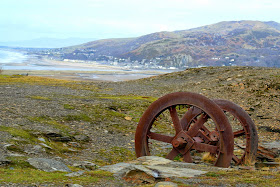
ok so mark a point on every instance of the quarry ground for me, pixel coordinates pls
(96, 121)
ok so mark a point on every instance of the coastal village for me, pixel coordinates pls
(180, 61)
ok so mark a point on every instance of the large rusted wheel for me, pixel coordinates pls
(160, 130)
(244, 130)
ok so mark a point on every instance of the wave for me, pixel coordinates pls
(9, 57)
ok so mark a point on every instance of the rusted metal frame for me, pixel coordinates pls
(160, 137)
(198, 125)
(205, 147)
(239, 133)
(175, 119)
(249, 129)
(191, 99)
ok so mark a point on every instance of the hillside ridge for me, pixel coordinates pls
(227, 43)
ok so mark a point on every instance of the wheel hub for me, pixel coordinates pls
(182, 142)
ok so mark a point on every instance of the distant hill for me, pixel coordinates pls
(227, 43)
(46, 42)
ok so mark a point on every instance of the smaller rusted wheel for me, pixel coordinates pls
(161, 132)
(244, 130)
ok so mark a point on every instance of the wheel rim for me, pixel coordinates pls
(244, 130)
(184, 141)
(248, 132)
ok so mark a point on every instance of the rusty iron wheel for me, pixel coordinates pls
(163, 124)
(245, 130)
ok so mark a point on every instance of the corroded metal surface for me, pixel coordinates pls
(248, 131)
(203, 127)
(191, 131)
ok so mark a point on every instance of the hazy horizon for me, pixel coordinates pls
(33, 19)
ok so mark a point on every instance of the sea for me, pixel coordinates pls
(15, 60)
(8, 58)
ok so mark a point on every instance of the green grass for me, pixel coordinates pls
(34, 80)
(233, 177)
(127, 97)
(37, 97)
(34, 176)
(77, 117)
(115, 155)
(21, 172)
(18, 132)
(50, 121)
(67, 106)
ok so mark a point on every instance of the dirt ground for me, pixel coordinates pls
(106, 113)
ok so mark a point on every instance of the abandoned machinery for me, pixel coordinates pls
(190, 127)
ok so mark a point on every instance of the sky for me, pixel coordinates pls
(31, 19)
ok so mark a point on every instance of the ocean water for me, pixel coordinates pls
(11, 57)
(12, 60)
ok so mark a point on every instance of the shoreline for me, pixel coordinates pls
(112, 76)
(76, 70)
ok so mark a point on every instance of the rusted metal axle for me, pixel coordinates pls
(181, 125)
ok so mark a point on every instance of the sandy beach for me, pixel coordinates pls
(78, 70)
(19, 63)
(84, 75)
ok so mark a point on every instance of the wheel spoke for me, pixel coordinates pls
(189, 116)
(172, 154)
(187, 157)
(197, 125)
(205, 129)
(239, 133)
(160, 137)
(235, 159)
(205, 147)
(175, 119)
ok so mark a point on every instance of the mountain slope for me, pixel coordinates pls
(226, 43)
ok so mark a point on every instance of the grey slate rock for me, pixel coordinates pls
(153, 160)
(81, 138)
(274, 146)
(37, 149)
(4, 161)
(73, 185)
(3, 154)
(75, 174)
(48, 165)
(86, 165)
(58, 137)
(153, 167)
(166, 184)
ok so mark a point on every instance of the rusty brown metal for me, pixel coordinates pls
(248, 131)
(201, 110)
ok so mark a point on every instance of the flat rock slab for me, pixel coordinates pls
(75, 174)
(152, 166)
(3, 160)
(116, 167)
(166, 184)
(153, 160)
(165, 172)
(48, 165)
(272, 145)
